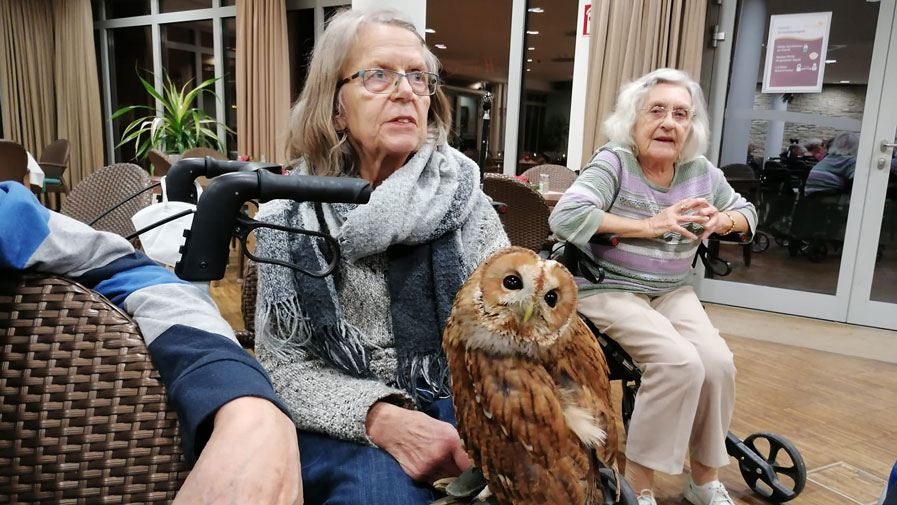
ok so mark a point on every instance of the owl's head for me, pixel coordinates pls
(524, 299)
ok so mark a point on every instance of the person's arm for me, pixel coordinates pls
(581, 212)
(200, 363)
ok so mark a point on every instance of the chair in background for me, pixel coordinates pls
(248, 295)
(526, 220)
(202, 152)
(54, 159)
(105, 188)
(743, 180)
(559, 177)
(161, 162)
(13, 161)
(85, 417)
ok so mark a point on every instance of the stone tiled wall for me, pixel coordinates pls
(835, 100)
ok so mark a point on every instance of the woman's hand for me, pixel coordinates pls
(427, 449)
(673, 217)
(251, 457)
(717, 222)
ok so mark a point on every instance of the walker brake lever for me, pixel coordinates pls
(205, 251)
(246, 225)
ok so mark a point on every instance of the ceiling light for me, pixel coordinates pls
(529, 60)
(532, 32)
(439, 46)
(829, 62)
(844, 82)
(530, 48)
(536, 10)
(429, 30)
(529, 69)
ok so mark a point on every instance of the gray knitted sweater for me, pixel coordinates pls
(328, 401)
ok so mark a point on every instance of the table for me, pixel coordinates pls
(35, 173)
(552, 197)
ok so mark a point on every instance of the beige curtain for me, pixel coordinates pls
(26, 69)
(263, 79)
(78, 112)
(630, 38)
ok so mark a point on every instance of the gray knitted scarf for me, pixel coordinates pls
(412, 216)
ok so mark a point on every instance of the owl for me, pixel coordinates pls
(529, 382)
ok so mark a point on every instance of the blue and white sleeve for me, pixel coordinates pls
(198, 358)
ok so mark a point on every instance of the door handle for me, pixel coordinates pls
(885, 145)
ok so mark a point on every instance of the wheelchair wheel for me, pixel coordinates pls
(785, 474)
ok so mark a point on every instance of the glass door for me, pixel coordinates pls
(813, 157)
(873, 298)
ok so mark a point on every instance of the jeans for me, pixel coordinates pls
(337, 472)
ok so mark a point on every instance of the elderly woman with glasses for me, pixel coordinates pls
(357, 356)
(651, 186)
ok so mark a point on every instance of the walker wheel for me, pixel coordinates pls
(789, 473)
(760, 243)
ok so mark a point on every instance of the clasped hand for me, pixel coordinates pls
(688, 210)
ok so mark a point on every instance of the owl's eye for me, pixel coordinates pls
(551, 298)
(512, 282)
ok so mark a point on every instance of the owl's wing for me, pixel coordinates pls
(510, 417)
(581, 370)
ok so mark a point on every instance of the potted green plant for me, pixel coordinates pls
(180, 125)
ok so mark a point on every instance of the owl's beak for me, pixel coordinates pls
(528, 313)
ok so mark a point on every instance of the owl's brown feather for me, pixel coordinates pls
(529, 394)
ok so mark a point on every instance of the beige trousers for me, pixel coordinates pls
(687, 393)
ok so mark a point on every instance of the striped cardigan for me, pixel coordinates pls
(613, 181)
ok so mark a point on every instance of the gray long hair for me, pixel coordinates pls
(845, 144)
(618, 126)
(312, 133)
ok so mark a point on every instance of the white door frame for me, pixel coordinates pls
(825, 306)
(874, 181)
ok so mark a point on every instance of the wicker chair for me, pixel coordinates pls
(83, 415)
(248, 294)
(160, 162)
(559, 177)
(526, 220)
(13, 161)
(103, 189)
(202, 152)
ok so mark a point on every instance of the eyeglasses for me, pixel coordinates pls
(378, 80)
(659, 112)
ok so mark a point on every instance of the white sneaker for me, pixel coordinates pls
(712, 493)
(646, 497)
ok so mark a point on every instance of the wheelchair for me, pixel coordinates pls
(818, 223)
(772, 477)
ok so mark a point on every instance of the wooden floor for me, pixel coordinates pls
(838, 410)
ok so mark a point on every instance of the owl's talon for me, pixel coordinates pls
(484, 494)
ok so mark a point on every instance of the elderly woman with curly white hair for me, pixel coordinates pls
(651, 186)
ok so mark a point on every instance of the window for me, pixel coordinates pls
(473, 65)
(183, 5)
(129, 53)
(126, 8)
(549, 46)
